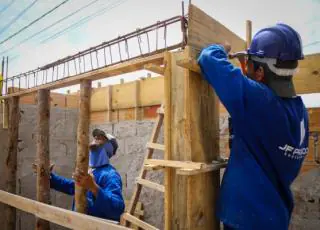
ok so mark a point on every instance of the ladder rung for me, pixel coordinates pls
(150, 184)
(155, 146)
(138, 222)
(152, 167)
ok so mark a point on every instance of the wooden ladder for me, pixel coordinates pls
(141, 179)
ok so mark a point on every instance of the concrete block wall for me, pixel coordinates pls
(63, 127)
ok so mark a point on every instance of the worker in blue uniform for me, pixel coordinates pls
(270, 126)
(103, 182)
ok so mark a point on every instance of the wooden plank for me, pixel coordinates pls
(314, 119)
(11, 161)
(208, 168)
(154, 68)
(204, 30)
(82, 160)
(248, 33)
(72, 101)
(307, 80)
(109, 103)
(190, 64)
(137, 100)
(152, 91)
(150, 184)
(99, 99)
(57, 215)
(156, 146)
(175, 164)
(167, 141)
(138, 222)
(153, 167)
(110, 71)
(123, 96)
(43, 155)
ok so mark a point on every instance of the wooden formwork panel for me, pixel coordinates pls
(152, 91)
(203, 30)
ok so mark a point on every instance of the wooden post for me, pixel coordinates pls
(248, 33)
(5, 114)
(83, 142)
(43, 157)
(137, 100)
(167, 141)
(11, 161)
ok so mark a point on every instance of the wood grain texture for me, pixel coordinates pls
(11, 161)
(43, 157)
(82, 160)
(57, 215)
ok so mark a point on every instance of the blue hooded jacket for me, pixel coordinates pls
(270, 143)
(109, 203)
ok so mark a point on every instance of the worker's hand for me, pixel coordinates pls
(34, 167)
(85, 180)
(227, 47)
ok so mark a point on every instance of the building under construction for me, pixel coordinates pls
(172, 131)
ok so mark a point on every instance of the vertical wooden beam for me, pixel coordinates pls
(43, 157)
(5, 114)
(11, 161)
(167, 141)
(109, 111)
(137, 100)
(248, 33)
(83, 142)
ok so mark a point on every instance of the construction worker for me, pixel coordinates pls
(103, 182)
(270, 125)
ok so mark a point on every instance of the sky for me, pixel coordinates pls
(124, 16)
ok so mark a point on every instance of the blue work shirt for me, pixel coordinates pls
(109, 203)
(269, 146)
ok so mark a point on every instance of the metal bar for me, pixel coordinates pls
(57, 72)
(127, 48)
(148, 42)
(64, 70)
(68, 69)
(53, 72)
(110, 54)
(105, 58)
(157, 37)
(119, 51)
(165, 36)
(84, 64)
(79, 60)
(75, 66)
(97, 59)
(19, 83)
(91, 61)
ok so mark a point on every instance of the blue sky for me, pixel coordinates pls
(303, 15)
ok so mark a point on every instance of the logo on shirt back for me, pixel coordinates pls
(296, 153)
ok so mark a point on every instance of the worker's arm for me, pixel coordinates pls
(226, 79)
(108, 197)
(62, 184)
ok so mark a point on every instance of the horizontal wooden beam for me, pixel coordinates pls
(154, 68)
(155, 146)
(189, 64)
(153, 167)
(175, 164)
(60, 216)
(150, 184)
(109, 71)
(208, 168)
(134, 220)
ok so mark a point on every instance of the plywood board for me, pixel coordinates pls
(314, 119)
(307, 80)
(123, 96)
(99, 99)
(152, 91)
(203, 30)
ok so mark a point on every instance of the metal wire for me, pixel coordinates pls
(81, 56)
